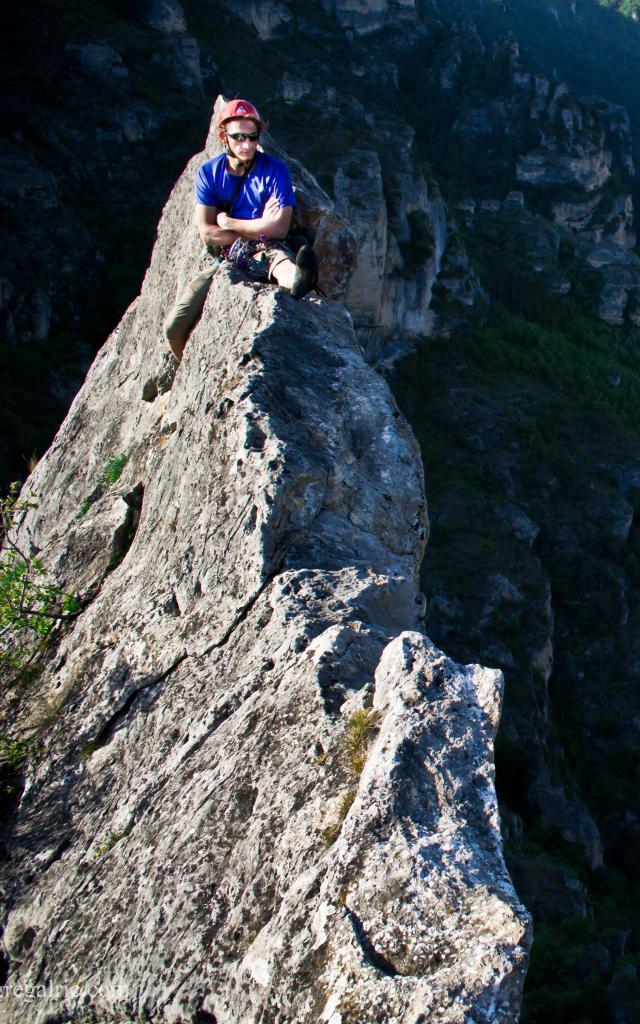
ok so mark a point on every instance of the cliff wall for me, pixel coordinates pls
(260, 793)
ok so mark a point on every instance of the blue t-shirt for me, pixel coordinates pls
(268, 177)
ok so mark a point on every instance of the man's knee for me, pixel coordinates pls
(186, 310)
(173, 331)
(176, 331)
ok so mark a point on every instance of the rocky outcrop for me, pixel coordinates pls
(181, 53)
(400, 225)
(572, 146)
(98, 59)
(589, 169)
(457, 282)
(261, 792)
(166, 15)
(571, 138)
(572, 160)
(294, 89)
(364, 17)
(618, 132)
(620, 295)
(269, 18)
(359, 192)
(360, 16)
(532, 236)
(573, 156)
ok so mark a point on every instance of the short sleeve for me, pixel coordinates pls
(205, 192)
(283, 190)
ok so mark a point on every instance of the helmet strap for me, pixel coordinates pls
(243, 166)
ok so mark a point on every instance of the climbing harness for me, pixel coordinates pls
(243, 254)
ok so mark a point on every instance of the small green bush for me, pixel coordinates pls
(109, 476)
(84, 508)
(113, 470)
(361, 729)
(31, 610)
(108, 841)
(12, 755)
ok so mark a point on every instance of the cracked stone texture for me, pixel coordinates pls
(192, 838)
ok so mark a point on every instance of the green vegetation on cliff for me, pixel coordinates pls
(627, 7)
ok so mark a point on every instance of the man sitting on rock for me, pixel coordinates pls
(245, 202)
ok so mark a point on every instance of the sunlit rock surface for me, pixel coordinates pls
(197, 835)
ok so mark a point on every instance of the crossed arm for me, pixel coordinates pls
(221, 229)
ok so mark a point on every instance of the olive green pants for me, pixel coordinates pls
(187, 308)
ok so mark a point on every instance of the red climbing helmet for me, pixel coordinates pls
(236, 110)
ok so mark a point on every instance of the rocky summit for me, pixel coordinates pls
(262, 794)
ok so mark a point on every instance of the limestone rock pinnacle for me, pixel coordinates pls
(262, 794)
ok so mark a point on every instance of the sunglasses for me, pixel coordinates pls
(242, 136)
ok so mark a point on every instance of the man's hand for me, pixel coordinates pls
(271, 210)
(275, 219)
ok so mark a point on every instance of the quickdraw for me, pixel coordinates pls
(242, 254)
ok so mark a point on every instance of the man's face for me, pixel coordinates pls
(243, 149)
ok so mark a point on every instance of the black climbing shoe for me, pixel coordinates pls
(306, 272)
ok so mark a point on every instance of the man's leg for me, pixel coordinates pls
(299, 277)
(284, 272)
(186, 310)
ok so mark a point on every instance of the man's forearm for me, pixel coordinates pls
(211, 234)
(252, 229)
(221, 229)
(249, 229)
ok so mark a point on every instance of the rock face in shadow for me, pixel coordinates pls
(364, 18)
(570, 158)
(270, 19)
(261, 793)
(401, 233)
